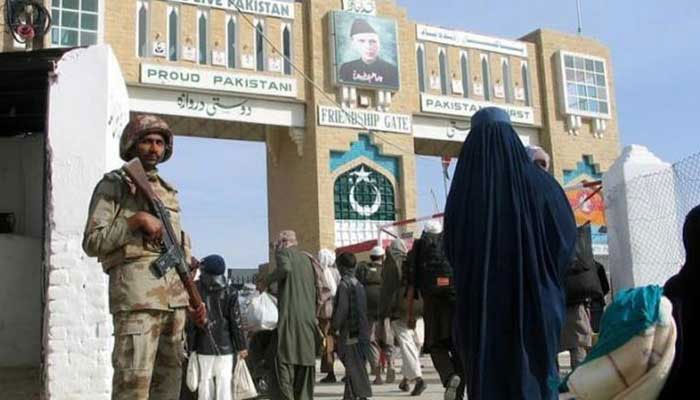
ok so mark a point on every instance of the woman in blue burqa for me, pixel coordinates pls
(509, 236)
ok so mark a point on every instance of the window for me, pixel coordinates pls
(507, 80)
(287, 48)
(486, 76)
(442, 60)
(585, 85)
(364, 194)
(526, 82)
(173, 32)
(75, 22)
(420, 62)
(231, 41)
(203, 36)
(464, 66)
(141, 28)
(259, 45)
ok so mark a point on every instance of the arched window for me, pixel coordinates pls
(464, 65)
(486, 77)
(259, 45)
(203, 39)
(173, 33)
(364, 194)
(142, 29)
(442, 59)
(231, 42)
(287, 48)
(526, 83)
(507, 81)
(420, 62)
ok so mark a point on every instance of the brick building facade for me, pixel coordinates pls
(193, 61)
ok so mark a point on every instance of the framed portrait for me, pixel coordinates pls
(365, 51)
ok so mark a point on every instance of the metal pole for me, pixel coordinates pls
(444, 182)
(578, 8)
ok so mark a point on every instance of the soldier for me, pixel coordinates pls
(148, 312)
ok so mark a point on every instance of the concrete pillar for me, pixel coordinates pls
(640, 202)
(88, 109)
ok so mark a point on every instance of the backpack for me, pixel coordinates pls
(582, 281)
(435, 275)
(324, 296)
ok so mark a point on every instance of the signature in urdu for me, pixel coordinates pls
(363, 76)
(213, 107)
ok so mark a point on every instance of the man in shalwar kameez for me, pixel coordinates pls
(350, 320)
(296, 328)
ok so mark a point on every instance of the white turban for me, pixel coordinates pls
(433, 226)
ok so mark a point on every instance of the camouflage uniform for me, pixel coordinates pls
(148, 312)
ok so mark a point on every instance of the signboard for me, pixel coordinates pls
(434, 128)
(217, 80)
(589, 206)
(272, 8)
(470, 40)
(365, 51)
(463, 107)
(219, 107)
(361, 119)
(360, 6)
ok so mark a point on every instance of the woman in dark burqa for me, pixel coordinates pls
(682, 290)
(509, 236)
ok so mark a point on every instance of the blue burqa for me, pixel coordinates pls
(509, 235)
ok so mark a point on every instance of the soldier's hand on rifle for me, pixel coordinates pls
(150, 225)
(194, 265)
(198, 315)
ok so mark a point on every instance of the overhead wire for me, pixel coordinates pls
(316, 85)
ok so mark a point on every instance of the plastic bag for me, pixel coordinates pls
(243, 385)
(192, 378)
(261, 313)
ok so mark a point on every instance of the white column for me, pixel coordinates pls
(88, 108)
(640, 205)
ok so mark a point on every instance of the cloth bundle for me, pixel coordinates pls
(635, 351)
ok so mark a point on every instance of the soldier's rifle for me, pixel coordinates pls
(173, 254)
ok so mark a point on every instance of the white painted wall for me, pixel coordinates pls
(643, 226)
(88, 107)
(20, 296)
(22, 181)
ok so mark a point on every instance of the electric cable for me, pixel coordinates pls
(316, 85)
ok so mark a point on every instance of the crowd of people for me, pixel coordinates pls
(500, 291)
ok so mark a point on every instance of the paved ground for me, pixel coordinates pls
(386, 391)
(24, 383)
(435, 390)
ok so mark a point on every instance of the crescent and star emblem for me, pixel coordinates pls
(365, 211)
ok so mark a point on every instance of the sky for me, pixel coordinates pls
(655, 58)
